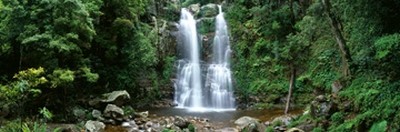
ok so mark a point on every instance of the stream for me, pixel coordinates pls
(221, 119)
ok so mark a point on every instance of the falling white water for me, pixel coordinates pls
(190, 93)
(219, 79)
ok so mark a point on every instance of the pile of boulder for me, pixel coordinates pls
(114, 118)
(112, 114)
(278, 124)
(109, 115)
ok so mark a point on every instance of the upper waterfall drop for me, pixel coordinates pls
(188, 92)
(215, 91)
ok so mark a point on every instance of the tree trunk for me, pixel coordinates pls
(291, 86)
(335, 24)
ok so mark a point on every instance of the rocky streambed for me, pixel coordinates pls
(110, 114)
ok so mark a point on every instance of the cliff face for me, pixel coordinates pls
(165, 16)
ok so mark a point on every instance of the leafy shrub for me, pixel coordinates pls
(379, 127)
(318, 129)
(192, 128)
(18, 126)
(46, 114)
(337, 118)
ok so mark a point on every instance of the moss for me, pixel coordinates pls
(302, 119)
(206, 25)
(263, 105)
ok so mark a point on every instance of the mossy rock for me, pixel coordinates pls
(209, 10)
(206, 25)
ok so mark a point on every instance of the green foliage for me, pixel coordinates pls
(206, 26)
(27, 83)
(18, 126)
(36, 127)
(374, 99)
(337, 118)
(86, 46)
(386, 52)
(168, 130)
(386, 45)
(12, 126)
(318, 129)
(128, 110)
(263, 105)
(269, 129)
(61, 77)
(186, 3)
(267, 44)
(271, 36)
(192, 128)
(379, 127)
(90, 76)
(47, 115)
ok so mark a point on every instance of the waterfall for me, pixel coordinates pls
(216, 92)
(188, 92)
(219, 79)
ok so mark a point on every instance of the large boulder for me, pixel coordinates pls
(97, 115)
(250, 124)
(194, 8)
(113, 111)
(131, 126)
(181, 122)
(79, 113)
(94, 126)
(245, 120)
(284, 119)
(143, 114)
(322, 106)
(254, 127)
(116, 97)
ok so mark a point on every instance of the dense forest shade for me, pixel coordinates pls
(322, 43)
(56, 53)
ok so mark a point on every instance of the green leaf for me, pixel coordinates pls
(379, 127)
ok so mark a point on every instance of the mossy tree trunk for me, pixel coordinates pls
(336, 29)
(291, 87)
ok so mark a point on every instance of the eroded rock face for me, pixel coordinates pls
(94, 126)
